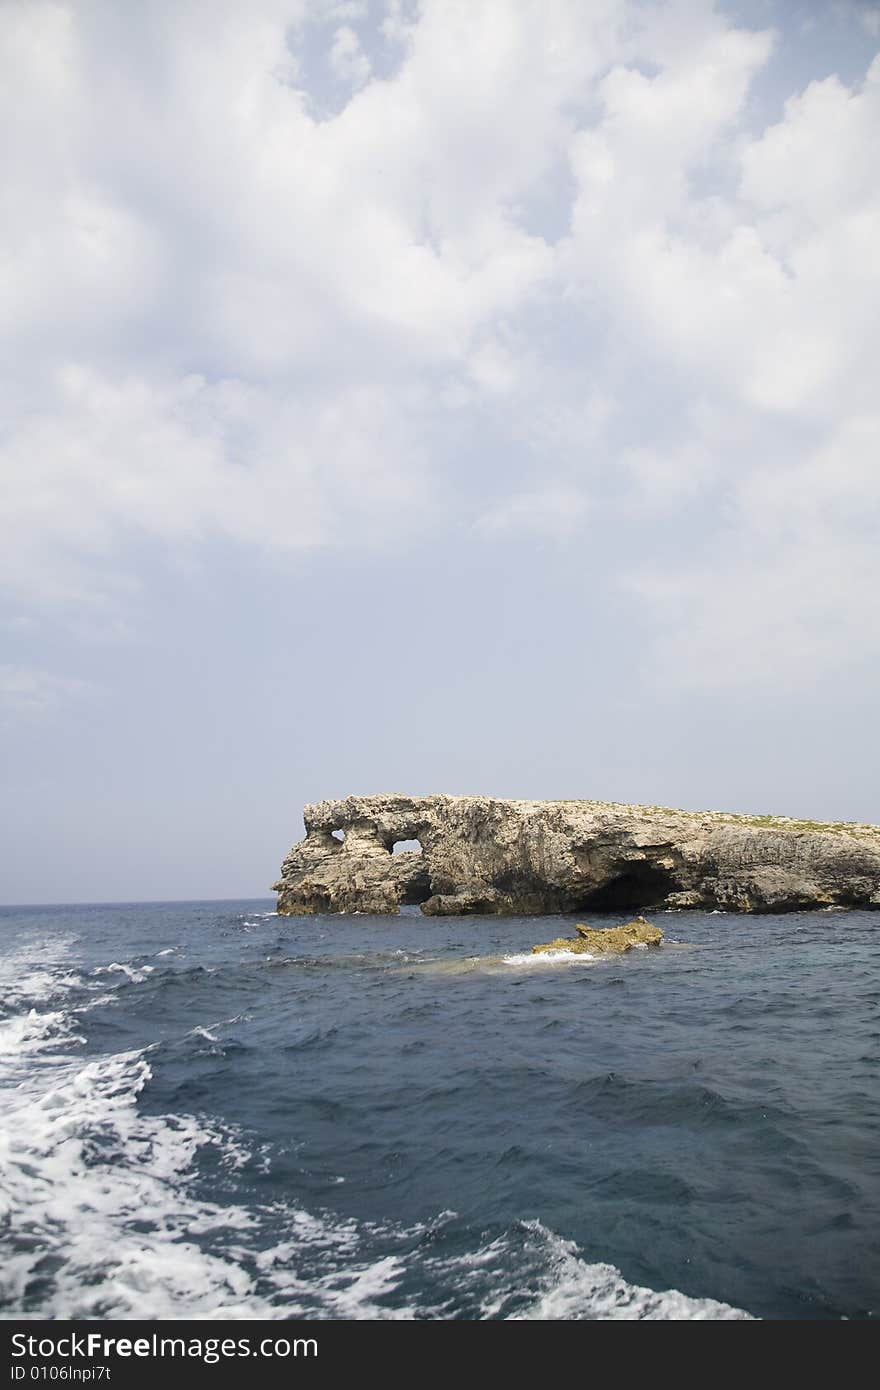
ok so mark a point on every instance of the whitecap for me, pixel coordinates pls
(137, 974)
(204, 1033)
(569, 1288)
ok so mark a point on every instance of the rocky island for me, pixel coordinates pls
(477, 854)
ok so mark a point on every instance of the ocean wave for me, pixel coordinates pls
(204, 1033)
(114, 1216)
(27, 980)
(93, 1190)
(104, 1199)
(110, 1224)
(137, 974)
(530, 1273)
(568, 1288)
(34, 1032)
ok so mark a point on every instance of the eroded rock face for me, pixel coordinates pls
(482, 855)
(595, 941)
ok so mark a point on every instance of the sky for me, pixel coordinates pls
(466, 396)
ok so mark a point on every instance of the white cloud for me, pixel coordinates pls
(30, 691)
(868, 15)
(556, 513)
(663, 478)
(221, 317)
(789, 591)
(347, 58)
(188, 460)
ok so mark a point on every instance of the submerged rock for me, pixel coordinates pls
(597, 941)
(480, 855)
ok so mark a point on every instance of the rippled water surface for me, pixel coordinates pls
(211, 1110)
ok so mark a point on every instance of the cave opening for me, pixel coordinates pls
(338, 835)
(638, 885)
(417, 884)
(418, 890)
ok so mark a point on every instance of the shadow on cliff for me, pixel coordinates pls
(642, 885)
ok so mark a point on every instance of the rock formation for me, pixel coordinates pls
(482, 855)
(591, 941)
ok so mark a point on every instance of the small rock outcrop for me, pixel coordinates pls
(593, 941)
(477, 854)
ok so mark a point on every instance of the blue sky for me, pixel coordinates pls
(463, 397)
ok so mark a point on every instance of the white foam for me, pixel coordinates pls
(33, 1032)
(137, 974)
(122, 1228)
(110, 1222)
(549, 958)
(569, 1288)
(102, 1200)
(57, 1117)
(26, 975)
(204, 1033)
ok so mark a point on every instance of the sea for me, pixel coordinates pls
(211, 1111)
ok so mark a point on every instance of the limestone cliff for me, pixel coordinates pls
(483, 855)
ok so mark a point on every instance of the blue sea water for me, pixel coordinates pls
(212, 1111)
